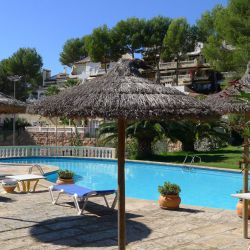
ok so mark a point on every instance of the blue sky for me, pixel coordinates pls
(47, 24)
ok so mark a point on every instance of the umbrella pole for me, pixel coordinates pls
(56, 135)
(245, 186)
(121, 185)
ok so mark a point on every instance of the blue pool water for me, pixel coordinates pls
(201, 187)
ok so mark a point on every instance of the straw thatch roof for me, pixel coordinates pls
(121, 93)
(227, 100)
(9, 105)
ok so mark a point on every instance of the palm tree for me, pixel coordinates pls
(52, 90)
(188, 132)
(145, 132)
(71, 83)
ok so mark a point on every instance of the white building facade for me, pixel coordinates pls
(85, 69)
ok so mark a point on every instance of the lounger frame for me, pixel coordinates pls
(84, 199)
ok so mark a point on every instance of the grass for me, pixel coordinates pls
(227, 157)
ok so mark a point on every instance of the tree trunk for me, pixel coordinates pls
(188, 146)
(105, 65)
(157, 72)
(133, 53)
(144, 148)
(177, 70)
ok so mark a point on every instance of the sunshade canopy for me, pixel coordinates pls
(228, 101)
(122, 93)
(9, 105)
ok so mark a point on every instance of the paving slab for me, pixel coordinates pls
(30, 221)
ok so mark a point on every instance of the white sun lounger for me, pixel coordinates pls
(81, 193)
(244, 196)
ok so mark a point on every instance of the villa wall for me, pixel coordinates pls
(63, 139)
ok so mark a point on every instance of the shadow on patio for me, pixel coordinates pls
(95, 229)
(6, 199)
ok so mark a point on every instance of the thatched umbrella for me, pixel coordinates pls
(9, 105)
(228, 101)
(123, 95)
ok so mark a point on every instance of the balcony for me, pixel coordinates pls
(201, 78)
(182, 79)
(182, 64)
(168, 65)
(167, 79)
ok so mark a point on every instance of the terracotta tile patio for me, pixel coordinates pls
(30, 221)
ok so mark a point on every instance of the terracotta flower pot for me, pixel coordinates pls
(9, 185)
(61, 181)
(169, 201)
(239, 209)
(9, 189)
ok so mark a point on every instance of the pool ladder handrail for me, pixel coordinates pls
(193, 158)
(189, 168)
(38, 167)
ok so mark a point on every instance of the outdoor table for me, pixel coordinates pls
(25, 180)
(244, 196)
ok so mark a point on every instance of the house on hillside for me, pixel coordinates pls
(59, 80)
(82, 70)
(86, 69)
(194, 73)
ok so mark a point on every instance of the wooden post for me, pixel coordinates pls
(121, 185)
(245, 202)
(56, 131)
(245, 183)
(56, 136)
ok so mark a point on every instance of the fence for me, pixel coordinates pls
(26, 151)
(87, 131)
(80, 130)
(182, 64)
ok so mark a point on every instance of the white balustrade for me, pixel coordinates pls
(182, 64)
(24, 151)
(168, 65)
(66, 130)
(197, 78)
(190, 63)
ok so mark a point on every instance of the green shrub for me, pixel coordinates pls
(20, 123)
(131, 148)
(169, 189)
(65, 174)
(241, 191)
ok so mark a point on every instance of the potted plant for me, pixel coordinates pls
(9, 185)
(65, 177)
(169, 196)
(239, 206)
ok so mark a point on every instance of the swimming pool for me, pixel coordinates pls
(201, 187)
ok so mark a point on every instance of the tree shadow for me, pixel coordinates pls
(190, 210)
(236, 150)
(213, 158)
(6, 199)
(180, 158)
(97, 227)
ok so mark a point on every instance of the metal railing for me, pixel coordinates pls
(39, 168)
(193, 157)
(67, 130)
(182, 64)
(76, 151)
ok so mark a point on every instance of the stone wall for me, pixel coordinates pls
(166, 145)
(63, 139)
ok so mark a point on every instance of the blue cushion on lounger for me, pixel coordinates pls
(80, 191)
(83, 193)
